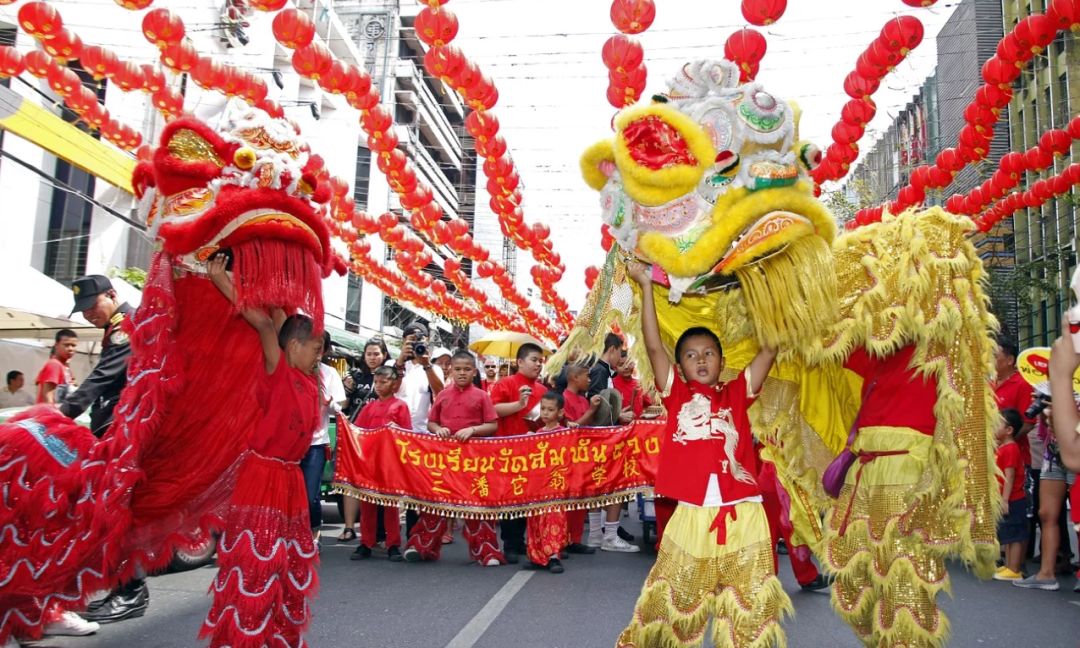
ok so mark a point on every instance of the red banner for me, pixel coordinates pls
(497, 477)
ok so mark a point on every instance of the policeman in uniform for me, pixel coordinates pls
(96, 299)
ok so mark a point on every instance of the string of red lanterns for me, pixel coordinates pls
(1014, 51)
(437, 26)
(314, 61)
(623, 55)
(898, 37)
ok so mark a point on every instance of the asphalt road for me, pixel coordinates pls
(451, 604)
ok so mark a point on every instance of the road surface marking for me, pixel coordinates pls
(479, 624)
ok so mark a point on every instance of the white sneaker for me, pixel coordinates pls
(71, 625)
(595, 540)
(492, 562)
(11, 643)
(618, 544)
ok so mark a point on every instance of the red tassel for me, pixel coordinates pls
(272, 273)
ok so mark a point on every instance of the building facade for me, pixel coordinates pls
(1043, 239)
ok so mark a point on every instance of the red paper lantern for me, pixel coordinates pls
(293, 29)
(168, 102)
(63, 80)
(622, 53)
(763, 12)
(859, 87)
(81, 100)
(1042, 29)
(38, 63)
(1073, 129)
(128, 77)
(919, 3)
(745, 48)
(591, 275)
(162, 27)
(482, 125)
(312, 60)
(207, 73)
(993, 96)
(869, 69)
(153, 78)
(255, 90)
(98, 61)
(858, 112)
(632, 16)
(495, 147)
(135, 5)
(845, 133)
(955, 204)
(444, 62)
(903, 33)
(1065, 14)
(949, 159)
(1012, 164)
(179, 57)
(40, 20)
(881, 54)
(63, 47)
(1038, 159)
(267, 5)
(1009, 50)
(1056, 141)
(996, 71)
(484, 95)
(336, 78)
(11, 61)
(436, 26)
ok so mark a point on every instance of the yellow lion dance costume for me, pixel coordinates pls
(883, 333)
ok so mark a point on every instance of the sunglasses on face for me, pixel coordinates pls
(489, 366)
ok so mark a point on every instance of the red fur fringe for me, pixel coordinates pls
(271, 273)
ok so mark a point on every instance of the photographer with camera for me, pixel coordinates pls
(421, 380)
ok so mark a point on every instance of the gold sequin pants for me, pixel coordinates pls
(696, 579)
(885, 578)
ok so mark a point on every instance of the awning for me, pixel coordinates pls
(24, 325)
(40, 126)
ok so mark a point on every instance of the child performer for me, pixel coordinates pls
(387, 410)
(1012, 530)
(579, 410)
(461, 411)
(716, 556)
(267, 558)
(546, 532)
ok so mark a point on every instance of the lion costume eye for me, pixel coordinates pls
(661, 153)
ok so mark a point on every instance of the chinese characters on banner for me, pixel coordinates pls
(497, 477)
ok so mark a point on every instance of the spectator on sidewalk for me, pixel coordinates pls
(1012, 528)
(13, 395)
(491, 368)
(359, 385)
(331, 399)
(56, 374)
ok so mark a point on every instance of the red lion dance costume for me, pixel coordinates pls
(79, 516)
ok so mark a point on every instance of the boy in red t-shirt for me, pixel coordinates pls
(579, 409)
(716, 551)
(546, 532)
(517, 403)
(387, 410)
(1012, 529)
(461, 411)
(57, 370)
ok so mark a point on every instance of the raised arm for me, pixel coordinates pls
(759, 368)
(1064, 361)
(650, 327)
(260, 320)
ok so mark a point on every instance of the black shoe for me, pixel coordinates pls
(781, 548)
(361, 553)
(533, 566)
(625, 535)
(554, 566)
(393, 554)
(512, 557)
(125, 603)
(820, 585)
(578, 548)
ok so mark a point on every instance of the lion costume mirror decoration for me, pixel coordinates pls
(709, 184)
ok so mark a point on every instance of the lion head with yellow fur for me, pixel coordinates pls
(709, 183)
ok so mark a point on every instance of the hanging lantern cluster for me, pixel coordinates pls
(896, 40)
(1015, 50)
(623, 55)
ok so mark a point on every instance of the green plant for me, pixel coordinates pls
(134, 276)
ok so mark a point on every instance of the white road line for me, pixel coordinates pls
(479, 624)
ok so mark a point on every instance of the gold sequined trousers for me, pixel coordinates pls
(696, 579)
(886, 579)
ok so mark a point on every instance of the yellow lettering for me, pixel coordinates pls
(519, 464)
(558, 457)
(518, 484)
(599, 455)
(437, 484)
(453, 459)
(537, 459)
(504, 458)
(652, 445)
(403, 447)
(580, 452)
(480, 486)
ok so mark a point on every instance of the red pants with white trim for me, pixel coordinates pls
(545, 536)
(369, 522)
(427, 533)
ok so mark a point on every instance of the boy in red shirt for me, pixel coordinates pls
(633, 397)
(579, 411)
(387, 410)
(517, 403)
(57, 371)
(1012, 529)
(546, 532)
(716, 554)
(461, 411)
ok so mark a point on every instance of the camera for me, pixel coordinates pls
(1039, 402)
(420, 347)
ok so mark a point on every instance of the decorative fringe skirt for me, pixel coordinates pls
(696, 579)
(267, 561)
(879, 542)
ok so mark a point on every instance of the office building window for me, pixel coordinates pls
(352, 303)
(69, 224)
(363, 177)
